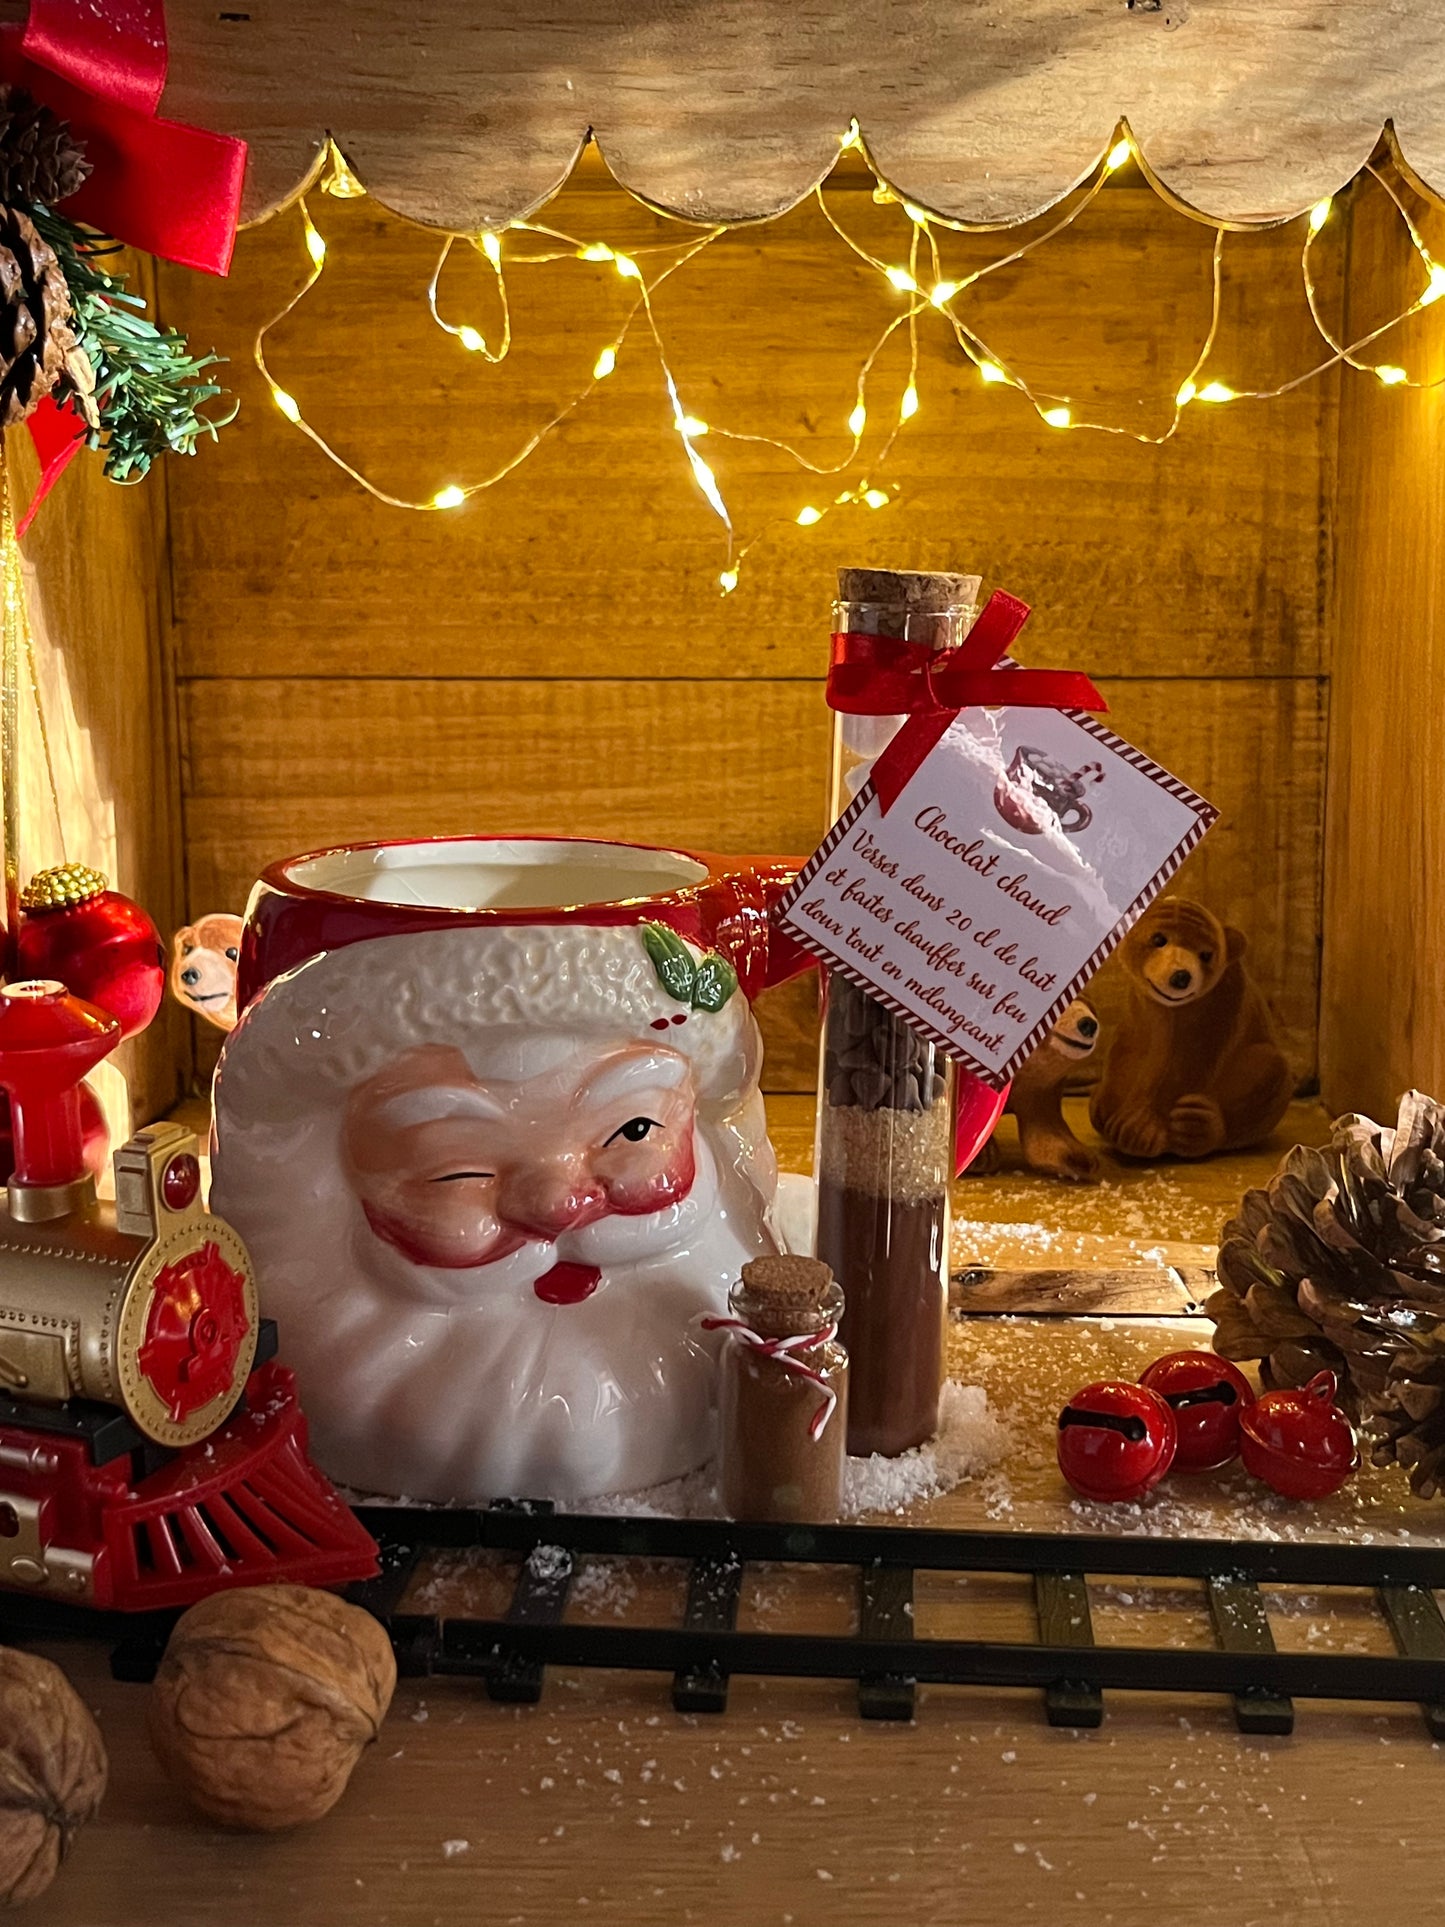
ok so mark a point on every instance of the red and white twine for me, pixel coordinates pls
(785, 1351)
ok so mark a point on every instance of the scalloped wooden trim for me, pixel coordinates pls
(463, 114)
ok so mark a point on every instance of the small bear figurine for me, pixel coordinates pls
(1036, 1100)
(203, 967)
(1195, 1067)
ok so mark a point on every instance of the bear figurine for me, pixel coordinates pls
(1036, 1100)
(1195, 1067)
(204, 961)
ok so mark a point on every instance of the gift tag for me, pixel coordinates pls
(997, 879)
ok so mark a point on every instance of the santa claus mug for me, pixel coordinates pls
(490, 1127)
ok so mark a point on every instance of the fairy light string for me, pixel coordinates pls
(930, 296)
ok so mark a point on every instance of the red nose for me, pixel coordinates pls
(547, 1203)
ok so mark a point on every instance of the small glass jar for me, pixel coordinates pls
(783, 1402)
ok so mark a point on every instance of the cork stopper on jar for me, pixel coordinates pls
(787, 1293)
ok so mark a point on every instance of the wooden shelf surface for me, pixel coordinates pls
(603, 1806)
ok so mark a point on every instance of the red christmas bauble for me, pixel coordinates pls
(1206, 1394)
(98, 943)
(1116, 1441)
(1300, 1443)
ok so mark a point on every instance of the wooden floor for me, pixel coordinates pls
(603, 1806)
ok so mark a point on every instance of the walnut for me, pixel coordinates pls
(265, 1700)
(52, 1772)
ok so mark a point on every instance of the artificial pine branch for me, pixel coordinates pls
(149, 388)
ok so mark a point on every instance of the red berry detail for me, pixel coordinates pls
(659, 1023)
(181, 1182)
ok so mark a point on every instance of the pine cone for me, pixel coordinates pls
(39, 158)
(1340, 1262)
(36, 337)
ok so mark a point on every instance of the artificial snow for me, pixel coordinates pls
(971, 1439)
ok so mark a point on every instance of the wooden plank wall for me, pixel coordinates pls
(556, 656)
(1383, 1007)
(93, 557)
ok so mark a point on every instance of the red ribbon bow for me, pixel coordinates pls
(880, 676)
(159, 185)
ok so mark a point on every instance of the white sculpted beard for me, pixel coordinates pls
(463, 1385)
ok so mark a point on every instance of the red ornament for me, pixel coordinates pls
(1300, 1442)
(1206, 1395)
(98, 943)
(1116, 1441)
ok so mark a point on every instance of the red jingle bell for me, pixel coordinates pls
(98, 943)
(1300, 1443)
(1206, 1394)
(1116, 1441)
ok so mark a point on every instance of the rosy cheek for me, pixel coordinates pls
(447, 1233)
(637, 1194)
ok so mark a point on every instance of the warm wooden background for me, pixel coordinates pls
(556, 656)
(95, 559)
(1383, 1012)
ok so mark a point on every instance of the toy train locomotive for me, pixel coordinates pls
(151, 1447)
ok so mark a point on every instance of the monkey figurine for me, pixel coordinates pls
(1036, 1100)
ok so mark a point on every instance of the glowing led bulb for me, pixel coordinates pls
(942, 292)
(852, 138)
(1436, 287)
(470, 339)
(1186, 394)
(808, 516)
(627, 267)
(1391, 375)
(990, 371)
(908, 407)
(915, 214)
(690, 426)
(857, 420)
(450, 497)
(876, 498)
(902, 280)
(1117, 155)
(315, 246)
(492, 248)
(287, 404)
(1216, 391)
(604, 364)
(1057, 417)
(728, 581)
(1319, 214)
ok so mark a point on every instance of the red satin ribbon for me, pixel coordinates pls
(879, 676)
(159, 185)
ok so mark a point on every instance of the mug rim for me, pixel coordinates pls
(280, 877)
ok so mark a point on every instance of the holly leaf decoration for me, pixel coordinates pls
(715, 982)
(672, 960)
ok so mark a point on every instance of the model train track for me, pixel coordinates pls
(509, 1654)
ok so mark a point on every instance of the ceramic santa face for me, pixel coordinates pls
(494, 1158)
